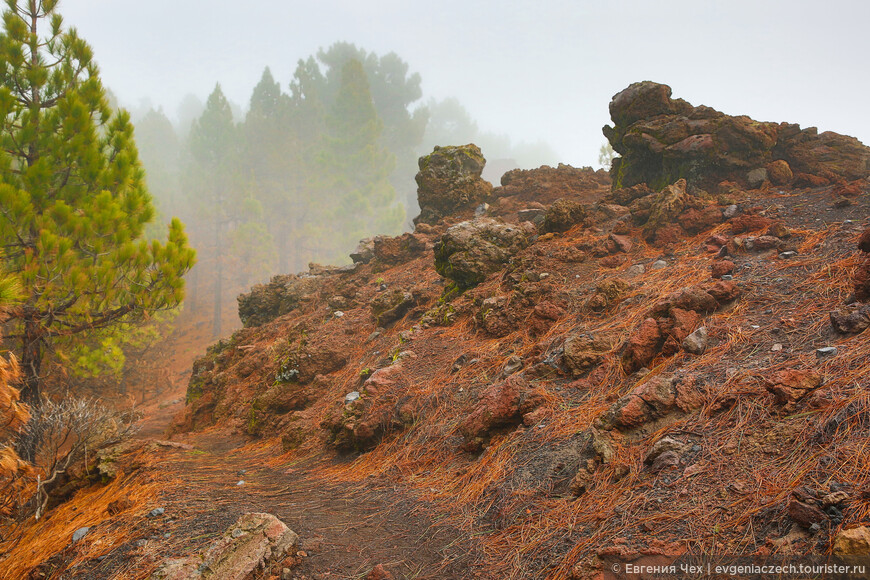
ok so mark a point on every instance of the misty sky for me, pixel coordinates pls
(536, 70)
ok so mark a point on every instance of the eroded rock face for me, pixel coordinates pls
(449, 180)
(662, 140)
(470, 251)
(256, 542)
(283, 294)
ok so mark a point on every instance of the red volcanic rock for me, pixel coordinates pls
(689, 298)
(721, 268)
(723, 291)
(623, 243)
(790, 385)
(695, 220)
(643, 345)
(779, 172)
(500, 404)
(862, 282)
(749, 223)
(656, 398)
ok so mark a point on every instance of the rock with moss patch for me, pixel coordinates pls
(449, 180)
(469, 252)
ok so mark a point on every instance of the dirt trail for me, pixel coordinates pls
(345, 530)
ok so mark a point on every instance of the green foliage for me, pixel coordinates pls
(72, 194)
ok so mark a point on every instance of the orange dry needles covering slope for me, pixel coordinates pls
(556, 372)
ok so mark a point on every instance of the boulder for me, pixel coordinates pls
(853, 542)
(449, 180)
(643, 345)
(581, 352)
(861, 281)
(696, 343)
(390, 306)
(257, 541)
(721, 268)
(666, 206)
(657, 398)
(470, 251)
(779, 172)
(791, 385)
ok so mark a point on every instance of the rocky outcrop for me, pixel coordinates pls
(380, 407)
(661, 140)
(671, 214)
(283, 294)
(449, 180)
(250, 548)
(388, 306)
(470, 251)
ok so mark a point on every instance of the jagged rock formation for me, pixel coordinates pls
(661, 140)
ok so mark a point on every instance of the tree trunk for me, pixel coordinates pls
(218, 283)
(31, 363)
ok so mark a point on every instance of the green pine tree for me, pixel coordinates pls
(73, 201)
(212, 184)
(360, 195)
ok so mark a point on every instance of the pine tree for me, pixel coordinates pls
(213, 183)
(270, 155)
(73, 201)
(360, 195)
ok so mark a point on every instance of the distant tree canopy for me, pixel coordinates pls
(73, 201)
(312, 169)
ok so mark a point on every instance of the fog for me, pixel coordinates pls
(535, 71)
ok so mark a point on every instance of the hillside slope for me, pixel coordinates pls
(528, 372)
(569, 368)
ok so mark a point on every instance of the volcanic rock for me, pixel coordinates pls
(581, 352)
(853, 542)
(501, 404)
(470, 251)
(851, 319)
(790, 385)
(563, 215)
(283, 294)
(657, 398)
(661, 139)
